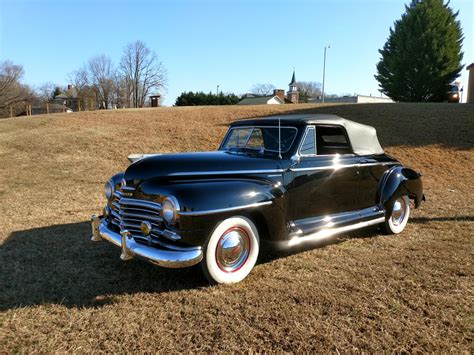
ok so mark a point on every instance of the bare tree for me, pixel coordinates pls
(81, 80)
(45, 91)
(12, 92)
(122, 92)
(142, 72)
(262, 89)
(102, 79)
(308, 90)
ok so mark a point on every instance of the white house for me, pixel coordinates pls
(357, 99)
(278, 97)
(261, 100)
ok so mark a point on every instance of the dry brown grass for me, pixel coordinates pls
(365, 291)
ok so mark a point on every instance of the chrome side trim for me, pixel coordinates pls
(379, 163)
(326, 233)
(227, 209)
(228, 172)
(332, 167)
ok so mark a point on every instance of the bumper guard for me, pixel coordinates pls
(130, 248)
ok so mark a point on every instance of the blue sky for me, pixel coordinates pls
(205, 43)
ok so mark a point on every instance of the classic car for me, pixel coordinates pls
(283, 180)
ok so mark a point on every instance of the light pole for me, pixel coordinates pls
(217, 90)
(324, 70)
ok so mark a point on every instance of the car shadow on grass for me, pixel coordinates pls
(268, 253)
(425, 220)
(60, 265)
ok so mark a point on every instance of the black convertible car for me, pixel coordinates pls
(285, 180)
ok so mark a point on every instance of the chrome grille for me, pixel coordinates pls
(133, 212)
(129, 213)
(115, 209)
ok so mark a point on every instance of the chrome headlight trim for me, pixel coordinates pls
(109, 189)
(170, 208)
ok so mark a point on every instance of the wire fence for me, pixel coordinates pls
(54, 106)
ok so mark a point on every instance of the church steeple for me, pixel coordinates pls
(293, 79)
(293, 94)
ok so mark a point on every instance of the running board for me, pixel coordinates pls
(329, 232)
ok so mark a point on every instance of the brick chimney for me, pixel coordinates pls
(280, 93)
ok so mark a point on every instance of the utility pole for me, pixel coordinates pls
(324, 70)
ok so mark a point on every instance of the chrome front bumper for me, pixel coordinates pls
(130, 248)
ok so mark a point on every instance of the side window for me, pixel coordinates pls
(332, 140)
(308, 147)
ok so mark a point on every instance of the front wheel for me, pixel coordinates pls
(231, 251)
(396, 222)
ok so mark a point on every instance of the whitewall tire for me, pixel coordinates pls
(396, 222)
(231, 251)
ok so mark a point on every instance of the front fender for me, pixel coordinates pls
(202, 196)
(400, 181)
(203, 203)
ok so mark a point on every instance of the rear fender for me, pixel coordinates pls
(400, 181)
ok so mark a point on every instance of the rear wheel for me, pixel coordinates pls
(396, 222)
(231, 251)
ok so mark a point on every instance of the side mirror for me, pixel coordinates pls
(295, 160)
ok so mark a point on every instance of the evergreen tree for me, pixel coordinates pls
(201, 99)
(57, 91)
(422, 55)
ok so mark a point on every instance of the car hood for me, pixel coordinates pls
(200, 164)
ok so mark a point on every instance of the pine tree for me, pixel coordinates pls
(57, 91)
(422, 55)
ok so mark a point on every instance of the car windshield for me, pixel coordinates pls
(260, 138)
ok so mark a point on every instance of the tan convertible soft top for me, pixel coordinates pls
(363, 138)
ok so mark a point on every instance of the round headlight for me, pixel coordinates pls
(109, 189)
(170, 210)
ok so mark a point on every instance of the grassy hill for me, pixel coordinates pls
(365, 291)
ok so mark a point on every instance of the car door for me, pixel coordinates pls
(371, 171)
(325, 180)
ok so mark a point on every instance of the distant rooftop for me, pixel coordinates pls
(258, 100)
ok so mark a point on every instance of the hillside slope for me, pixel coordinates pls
(58, 291)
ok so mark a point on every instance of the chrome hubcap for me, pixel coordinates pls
(232, 250)
(399, 211)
